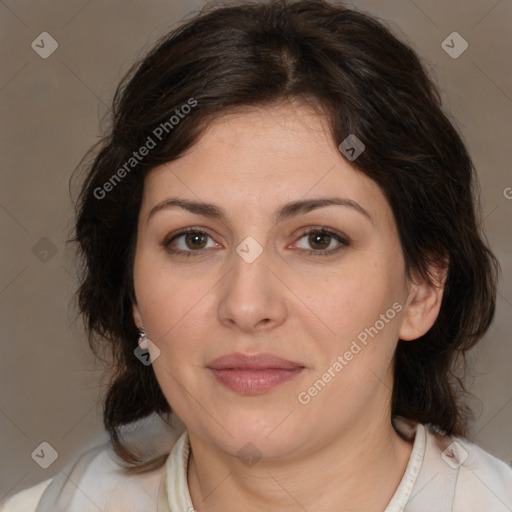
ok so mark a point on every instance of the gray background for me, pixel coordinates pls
(51, 110)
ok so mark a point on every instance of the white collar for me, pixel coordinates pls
(174, 494)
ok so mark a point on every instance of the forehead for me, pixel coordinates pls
(260, 158)
(273, 138)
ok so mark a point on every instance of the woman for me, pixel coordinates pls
(281, 246)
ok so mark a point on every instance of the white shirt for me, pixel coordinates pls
(444, 474)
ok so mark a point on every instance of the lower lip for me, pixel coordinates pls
(254, 382)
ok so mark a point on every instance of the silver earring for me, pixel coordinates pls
(143, 342)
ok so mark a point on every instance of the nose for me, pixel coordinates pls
(253, 296)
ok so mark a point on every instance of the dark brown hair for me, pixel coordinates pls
(367, 83)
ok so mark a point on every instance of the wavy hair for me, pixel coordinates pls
(366, 82)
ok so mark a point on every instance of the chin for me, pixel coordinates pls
(269, 438)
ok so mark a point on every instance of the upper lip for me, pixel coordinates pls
(238, 361)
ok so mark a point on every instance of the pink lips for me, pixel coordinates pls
(251, 375)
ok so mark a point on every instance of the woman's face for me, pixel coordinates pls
(257, 282)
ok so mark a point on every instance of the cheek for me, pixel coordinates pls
(344, 302)
(169, 310)
(363, 313)
(162, 299)
(363, 316)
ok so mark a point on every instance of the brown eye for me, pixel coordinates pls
(189, 242)
(193, 240)
(321, 238)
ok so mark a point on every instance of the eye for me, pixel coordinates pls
(194, 240)
(321, 238)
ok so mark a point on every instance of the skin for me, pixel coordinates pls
(340, 451)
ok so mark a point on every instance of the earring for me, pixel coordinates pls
(143, 341)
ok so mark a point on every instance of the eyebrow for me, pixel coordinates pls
(286, 211)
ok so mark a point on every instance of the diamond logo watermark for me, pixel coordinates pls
(45, 455)
(454, 455)
(249, 454)
(249, 249)
(454, 45)
(44, 250)
(44, 45)
(351, 147)
(147, 355)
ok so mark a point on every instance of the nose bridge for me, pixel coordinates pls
(250, 292)
(250, 264)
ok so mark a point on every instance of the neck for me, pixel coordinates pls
(364, 475)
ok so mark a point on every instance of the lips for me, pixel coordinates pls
(237, 361)
(253, 374)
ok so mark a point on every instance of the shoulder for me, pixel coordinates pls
(96, 481)
(26, 500)
(87, 477)
(484, 480)
(474, 478)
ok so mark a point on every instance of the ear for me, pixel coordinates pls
(423, 303)
(137, 318)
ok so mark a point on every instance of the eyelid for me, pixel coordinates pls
(326, 230)
(342, 239)
(192, 229)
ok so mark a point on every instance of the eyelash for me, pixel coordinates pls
(344, 242)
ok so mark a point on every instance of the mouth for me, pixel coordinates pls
(253, 374)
